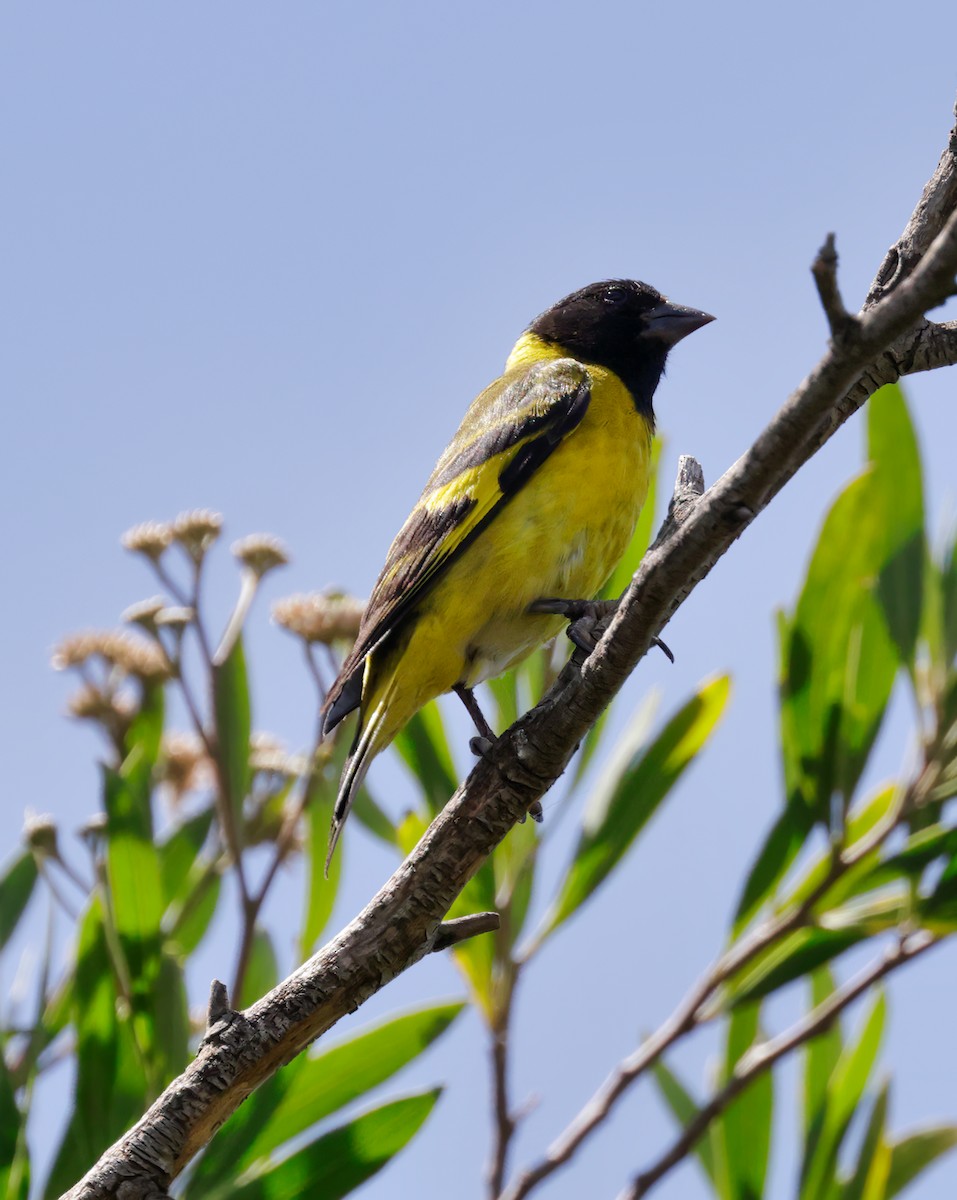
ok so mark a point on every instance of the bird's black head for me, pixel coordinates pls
(621, 324)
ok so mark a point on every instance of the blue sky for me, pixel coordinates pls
(260, 257)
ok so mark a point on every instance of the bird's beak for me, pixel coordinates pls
(669, 323)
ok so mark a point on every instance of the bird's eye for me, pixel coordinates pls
(615, 296)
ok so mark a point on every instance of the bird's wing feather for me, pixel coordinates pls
(508, 432)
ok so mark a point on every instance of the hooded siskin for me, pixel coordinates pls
(537, 495)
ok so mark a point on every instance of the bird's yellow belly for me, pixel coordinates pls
(560, 536)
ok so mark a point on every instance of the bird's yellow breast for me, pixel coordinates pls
(561, 535)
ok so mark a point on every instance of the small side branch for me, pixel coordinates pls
(459, 929)
(824, 270)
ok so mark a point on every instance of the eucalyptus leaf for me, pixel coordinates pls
(338, 1162)
(844, 1092)
(628, 795)
(912, 1155)
(233, 712)
(331, 1078)
(16, 888)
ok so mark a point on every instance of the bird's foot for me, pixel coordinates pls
(480, 746)
(584, 617)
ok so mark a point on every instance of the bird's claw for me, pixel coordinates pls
(480, 746)
(584, 617)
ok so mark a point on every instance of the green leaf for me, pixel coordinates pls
(844, 1092)
(190, 919)
(16, 888)
(821, 1053)
(684, 1108)
(180, 850)
(110, 1092)
(339, 1162)
(233, 713)
(839, 660)
(869, 1181)
(948, 579)
(628, 795)
(892, 448)
(860, 823)
(914, 1154)
(513, 865)
(11, 1123)
(781, 846)
(424, 747)
(746, 1123)
(474, 957)
(320, 895)
(262, 971)
(332, 1078)
(792, 957)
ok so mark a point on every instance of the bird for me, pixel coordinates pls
(533, 502)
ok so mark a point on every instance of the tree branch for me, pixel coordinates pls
(761, 1058)
(400, 924)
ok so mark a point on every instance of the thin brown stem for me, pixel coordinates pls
(760, 1059)
(694, 1010)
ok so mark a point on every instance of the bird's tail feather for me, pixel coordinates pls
(367, 745)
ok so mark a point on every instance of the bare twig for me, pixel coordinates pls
(459, 929)
(824, 270)
(697, 1007)
(761, 1058)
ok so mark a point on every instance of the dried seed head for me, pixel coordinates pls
(144, 660)
(260, 552)
(90, 703)
(320, 616)
(269, 755)
(197, 530)
(185, 764)
(144, 613)
(40, 834)
(93, 829)
(150, 538)
(175, 617)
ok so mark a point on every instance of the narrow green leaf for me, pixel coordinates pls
(746, 1123)
(424, 747)
(948, 580)
(16, 888)
(684, 1109)
(915, 1153)
(110, 1092)
(262, 972)
(860, 823)
(11, 1121)
(190, 919)
(180, 850)
(846, 1087)
(332, 1078)
(233, 713)
(869, 1180)
(781, 846)
(320, 894)
(821, 1054)
(475, 956)
(513, 864)
(340, 1161)
(627, 798)
(839, 661)
(794, 956)
(892, 448)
